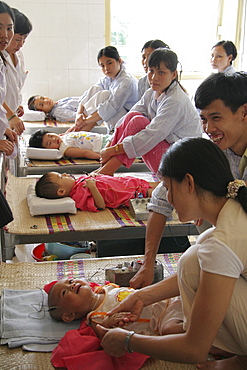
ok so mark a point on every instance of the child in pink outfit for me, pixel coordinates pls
(93, 193)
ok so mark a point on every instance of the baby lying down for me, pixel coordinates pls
(93, 193)
(72, 299)
(81, 144)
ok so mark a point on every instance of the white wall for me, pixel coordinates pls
(61, 51)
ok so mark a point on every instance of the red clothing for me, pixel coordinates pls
(80, 349)
(116, 191)
(133, 123)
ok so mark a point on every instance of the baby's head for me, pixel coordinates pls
(45, 139)
(40, 103)
(54, 185)
(71, 299)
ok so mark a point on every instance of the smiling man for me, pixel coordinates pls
(222, 101)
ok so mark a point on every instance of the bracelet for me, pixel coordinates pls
(10, 118)
(116, 148)
(127, 341)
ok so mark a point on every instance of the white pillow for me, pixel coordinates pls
(33, 115)
(41, 153)
(41, 206)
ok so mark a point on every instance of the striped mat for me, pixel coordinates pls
(94, 269)
(58, 223)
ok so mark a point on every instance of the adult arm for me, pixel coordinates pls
(123, 89)
(154, 231)
(171, 118)
(208, 311)
(14, 121)
(86, 124)
(159, 209)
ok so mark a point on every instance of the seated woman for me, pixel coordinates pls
(223, 54)
(147, 49)
(164, 115)
(123, 93)
(108, 100)
(212, 274)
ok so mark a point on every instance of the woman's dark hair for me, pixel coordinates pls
(109, 52)
(23, 26)
(155, 44)
(231, 89)
(229, 47)
(36, 138)
(203, 160)
(4, 8)
(168, 57)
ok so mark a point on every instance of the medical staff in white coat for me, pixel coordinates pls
(6, 34)
(15, 71)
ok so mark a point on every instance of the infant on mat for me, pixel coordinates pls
(81, 144)
(93, 193)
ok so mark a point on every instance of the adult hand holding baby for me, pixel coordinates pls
(112, 340)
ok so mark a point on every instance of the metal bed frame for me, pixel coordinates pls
(8, 241)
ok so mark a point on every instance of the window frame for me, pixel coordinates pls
(224, 19)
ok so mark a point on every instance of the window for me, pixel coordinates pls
(188, 27)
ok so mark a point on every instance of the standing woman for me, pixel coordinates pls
(122, 93)
(212, 274)
(223, 54)
(164, 115)
(16, 73)
(6, 34)
(147, 49)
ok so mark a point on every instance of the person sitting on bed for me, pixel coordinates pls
(80, 144)
(93, 193)
(106, 101)
(73, 299)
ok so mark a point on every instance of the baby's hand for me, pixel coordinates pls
(117, 319)
(90, 183)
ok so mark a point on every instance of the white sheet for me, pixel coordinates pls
(25, 320)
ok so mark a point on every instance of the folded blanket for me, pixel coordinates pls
(82, 346)
(25, 320)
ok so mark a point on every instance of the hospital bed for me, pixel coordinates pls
(104, 225)
(24, 166)
(26, 276)
(56, 126)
